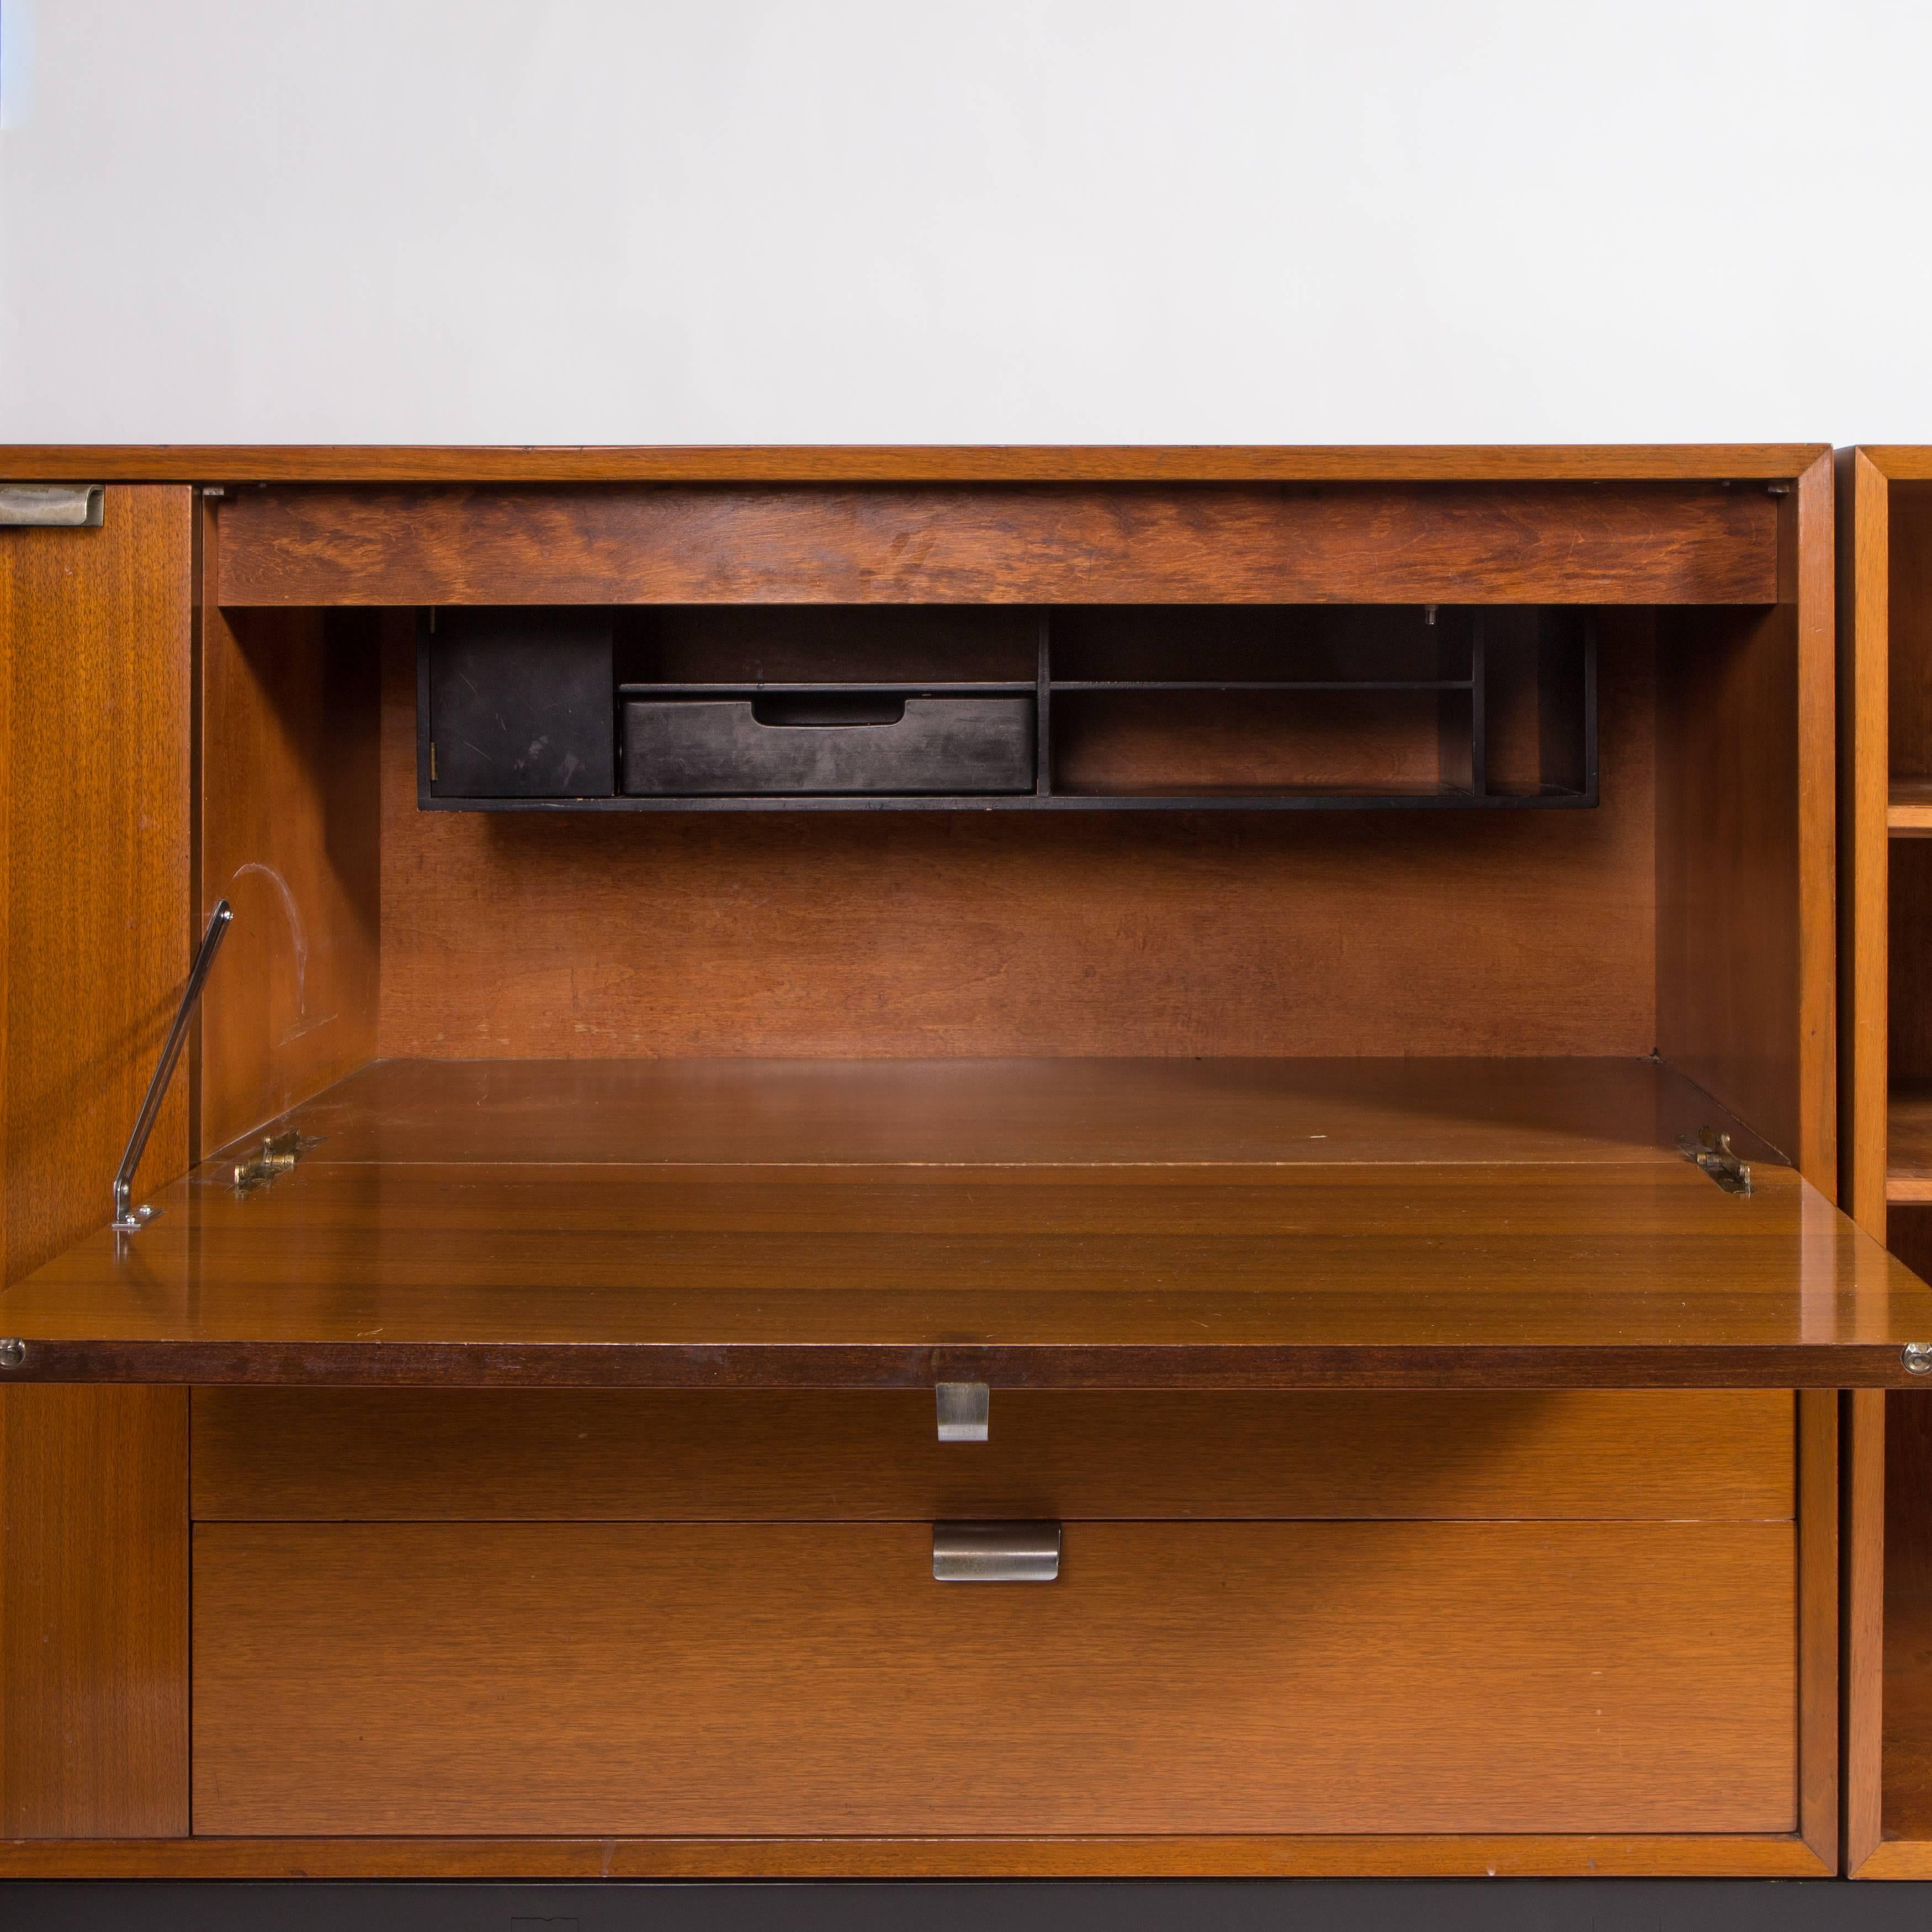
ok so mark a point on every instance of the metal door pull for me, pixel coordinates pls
(963, 1408)
(71, 506)
(995, 1552)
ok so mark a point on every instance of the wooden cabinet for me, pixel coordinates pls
(1885, 649)
(1365, 1107)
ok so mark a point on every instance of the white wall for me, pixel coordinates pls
(1212, 221)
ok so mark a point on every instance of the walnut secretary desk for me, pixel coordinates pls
(927, 1162)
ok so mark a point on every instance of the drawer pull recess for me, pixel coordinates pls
(995, 1552)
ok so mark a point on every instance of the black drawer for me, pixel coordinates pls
(855, 743)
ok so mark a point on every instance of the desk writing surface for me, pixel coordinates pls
(418, 1241)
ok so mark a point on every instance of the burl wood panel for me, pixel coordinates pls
(506, 935)
(364, 1455)
(290, 836)
(1746, 930)
(1521, 1276)
(93, 1612)
(1606, 543)
(96, 627)
(786, 1678)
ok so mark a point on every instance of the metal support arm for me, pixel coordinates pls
(127, 1219)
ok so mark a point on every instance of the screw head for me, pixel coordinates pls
(13, 1352)
(1918, 1358)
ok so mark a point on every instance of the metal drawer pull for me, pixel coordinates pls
(52, 505)
(963, 1408)
(995, 1552)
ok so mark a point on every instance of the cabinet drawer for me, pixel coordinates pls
(817, 744)
(813, 1679)
(369, 1455)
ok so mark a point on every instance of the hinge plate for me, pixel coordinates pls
(1711, 1151)
(276, 1156)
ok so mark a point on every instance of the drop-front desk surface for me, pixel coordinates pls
(1317, 1109)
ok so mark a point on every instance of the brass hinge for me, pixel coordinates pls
(1711, 1151)
(277, 1155)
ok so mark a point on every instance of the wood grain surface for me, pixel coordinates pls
(1862, 1659)
(1819, 1785)
(364, 1456)
(780, 1678)
(804, 463)
(1035, 543)
(1909, 1141)
(1747, 921)
(1448, 1854)
(1865, 821)
(93, 1612)
(96, 625)
(1225, 1118)
(970, 934)
(1515, 1276)
(290, 836)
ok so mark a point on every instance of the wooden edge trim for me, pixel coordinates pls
(1876, 1365)
(1658, 1855)
(258, 462)
(1898, 462)
(1863, 763)
(1814, 561)
(1863, 1631)
(1898, 1858)
(1818, 1743)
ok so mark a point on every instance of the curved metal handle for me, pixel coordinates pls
(69, 506)
(995, 1552)
(127, 1220)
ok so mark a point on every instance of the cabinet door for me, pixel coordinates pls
(94, 712)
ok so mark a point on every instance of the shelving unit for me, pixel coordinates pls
(1245, 710)
(1885, 789)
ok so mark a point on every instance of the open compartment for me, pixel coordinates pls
(1331, 1002)
(1082, 706)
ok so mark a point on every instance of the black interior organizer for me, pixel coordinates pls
(790, 708)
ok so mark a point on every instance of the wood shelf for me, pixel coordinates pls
(1908, 812)
(1077, 1223)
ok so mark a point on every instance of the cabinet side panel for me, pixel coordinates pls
(93, 1612)
(1746, 925)
(1863, 672)
(98, 624)
(290, 837)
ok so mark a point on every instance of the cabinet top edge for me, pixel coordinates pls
(356, 463)
(1898, 462)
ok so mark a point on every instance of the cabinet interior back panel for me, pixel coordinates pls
(507, 936)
